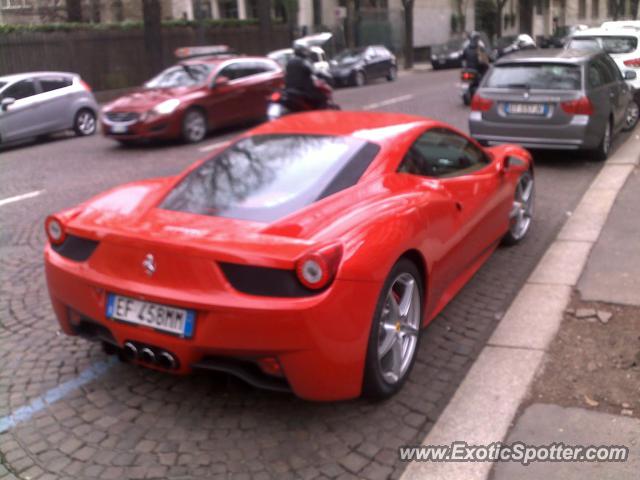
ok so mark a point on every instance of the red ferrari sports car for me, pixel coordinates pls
(304, 256)
(209, 88)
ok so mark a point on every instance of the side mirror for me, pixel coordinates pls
(505, 164)
(6, 103)
(630, 75)
(221, 81)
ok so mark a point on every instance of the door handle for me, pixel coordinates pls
(459, 206)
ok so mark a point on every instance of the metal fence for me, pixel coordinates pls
(111, 59)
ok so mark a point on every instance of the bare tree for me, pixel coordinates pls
(499, 8)
(74, 10)
(408, 33)
(461, 10)
(152, 21)
(264, 20)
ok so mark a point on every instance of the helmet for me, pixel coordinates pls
(474, 36)
(524, 40)
(301, 51)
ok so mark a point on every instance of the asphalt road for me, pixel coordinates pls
(77, 414)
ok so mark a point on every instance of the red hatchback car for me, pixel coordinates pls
(196, 95)
(305, 255)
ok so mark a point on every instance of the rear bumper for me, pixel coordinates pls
(319, 341)
(577, 135)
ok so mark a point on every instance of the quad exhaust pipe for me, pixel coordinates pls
(161, 358)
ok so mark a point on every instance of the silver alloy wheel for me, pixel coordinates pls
(195, 126)
(393, 74)
(86, 122)
(360, 79)
(522, 208)
(399, 326)
(631, 117)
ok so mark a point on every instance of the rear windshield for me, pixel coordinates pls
(611, 44)
(266, 177)
(544, 76)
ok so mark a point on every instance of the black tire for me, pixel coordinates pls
(393, 73)
(374, 384)
(359, 78)
(194, 126)
(631, 116)
(513, 235)
(84, 123)
(601, 152)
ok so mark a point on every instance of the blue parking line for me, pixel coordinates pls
(23, 414)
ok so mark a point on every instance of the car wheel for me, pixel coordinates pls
(631, 116)
(521, 214)
(359, 78)
(85, 122)
(393, 74)
(602, 151)
(395, 332)
(194, 126)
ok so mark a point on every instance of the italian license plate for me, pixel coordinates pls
(119, 128)
(526, 108)
(178, 321)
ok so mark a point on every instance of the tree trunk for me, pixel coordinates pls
(634, 9)
(350, 24)
(264, 20)
(408, 33)
(74, 11)
(152, 15)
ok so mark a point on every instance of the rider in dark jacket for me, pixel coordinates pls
(299, 81)
(475, 57)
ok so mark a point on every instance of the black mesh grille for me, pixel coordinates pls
(122, 116)
(270, 282)
(76, 248)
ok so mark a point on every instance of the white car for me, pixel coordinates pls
(621, 24)
(318, 56)
(622, 44)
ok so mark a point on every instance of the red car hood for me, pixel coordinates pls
(147, 98)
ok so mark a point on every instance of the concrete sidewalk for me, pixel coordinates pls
(484, 408)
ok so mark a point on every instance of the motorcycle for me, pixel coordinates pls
(284, 102)
(468, 84)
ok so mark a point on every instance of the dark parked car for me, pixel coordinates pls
(359, 65)
(447, 55)
(561, 36)
(553, 99)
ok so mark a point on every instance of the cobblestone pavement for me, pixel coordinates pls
(132, 423)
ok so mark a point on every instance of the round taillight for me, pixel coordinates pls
(54, 229)
(313, 271)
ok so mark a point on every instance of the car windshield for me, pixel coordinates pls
(612, 44)
(349, 56)
(182, 75)
(544, 76)
(265, 177)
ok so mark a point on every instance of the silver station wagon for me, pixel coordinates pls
(554, 99)
(40, 103)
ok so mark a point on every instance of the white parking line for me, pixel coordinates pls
(213, 146)
(17, 198)
(24, 413)
(391, 101)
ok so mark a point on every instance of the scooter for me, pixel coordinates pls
(284, 102)
(468, 84)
